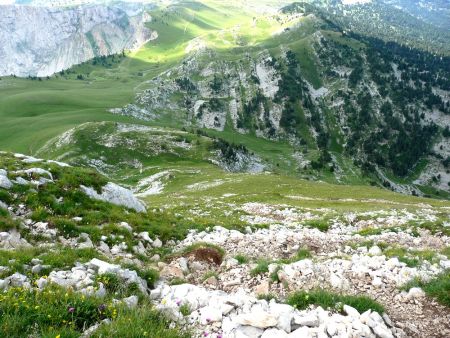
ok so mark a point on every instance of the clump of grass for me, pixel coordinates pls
(446, 252)
(438, 288)
(369, 231)
(261, 267)
(6, 222)
(203, 245)
(268, 297)
(116, 286)
(241, 259)
(301, 254)
(210, 274)
(435, 227)
(185, 310)
(321, 225)
(151, 276)
(274, 275)
(177, 281)
(302, 299)
(56, 258)
(412, 258)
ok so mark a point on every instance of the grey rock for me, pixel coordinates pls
(5, 183)
(117, 195)
(310, 320)
(260, 320)
(131, 301)
(157, 243)
(103, 267)
(274, 333)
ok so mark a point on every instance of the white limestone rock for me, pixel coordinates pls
(5, 183)
(117, 195)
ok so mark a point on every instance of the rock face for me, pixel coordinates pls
(40, 41)
(115, 194)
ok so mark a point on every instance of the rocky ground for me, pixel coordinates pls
(219, 282)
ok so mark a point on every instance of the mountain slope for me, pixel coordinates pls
(291, 87)
(58, 38)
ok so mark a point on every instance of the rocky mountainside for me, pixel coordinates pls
(40, 41)
(87, 257)
(230, 179)
(333, 95)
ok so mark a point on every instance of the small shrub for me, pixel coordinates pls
(205, 252)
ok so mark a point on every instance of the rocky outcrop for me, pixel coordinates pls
(40, 41)
(117, 195)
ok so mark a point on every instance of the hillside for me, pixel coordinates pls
(257, 169)
(60, 231)
(233, 79)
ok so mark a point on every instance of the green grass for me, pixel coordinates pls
(302, 299)
(242, 259)
(210, 274)
(322, 225)
(261, 267)
(140, 322)
(6, 221)
(446, 251)
(56, 311)
(268, 297)
(57, 258)
(411, 258)
(302, 253)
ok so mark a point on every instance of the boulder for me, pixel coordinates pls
(103, 267)
(117, 195)
(209, 315)
(5, 183)
(415, 293)
(131, 301)
(274, 333)
(263, 288)
(261, 320)
(309, 319)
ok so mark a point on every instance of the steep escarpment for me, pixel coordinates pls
(40, 41)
